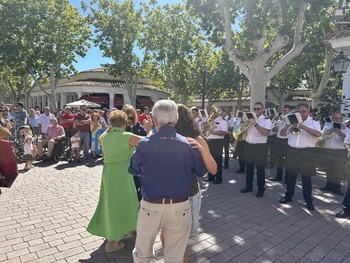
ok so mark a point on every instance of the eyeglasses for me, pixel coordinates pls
(256, 109)
(130, 118)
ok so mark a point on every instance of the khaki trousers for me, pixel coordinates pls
(50, 144)
(175, 222)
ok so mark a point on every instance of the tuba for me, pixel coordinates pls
(239, 132)
(326, 134)
(209, 124)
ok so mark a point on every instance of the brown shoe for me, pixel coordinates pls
(114, 246)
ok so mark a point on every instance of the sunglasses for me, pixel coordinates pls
(130, 118)
(256, 109)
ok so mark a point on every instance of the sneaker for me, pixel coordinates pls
(26, 168)
(31, 166)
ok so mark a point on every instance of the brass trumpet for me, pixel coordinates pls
(209, 124)
(295, 129)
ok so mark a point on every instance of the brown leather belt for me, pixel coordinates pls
(166, 200)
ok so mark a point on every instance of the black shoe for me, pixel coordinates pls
(326, 188)
(209, 179)
(338, 192)
(217, 182)
(310, 206)
(285, 200)
(246, 190)
(260, 194)
(239, 171)
(343, 214)
(70, 161)
(78, 161)
(276, 179)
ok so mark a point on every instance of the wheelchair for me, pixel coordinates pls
(61, 150)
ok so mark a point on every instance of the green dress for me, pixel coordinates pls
(117, 208)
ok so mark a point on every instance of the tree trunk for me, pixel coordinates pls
(257, 85)
(131, 83)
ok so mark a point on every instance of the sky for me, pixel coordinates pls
(93, 59)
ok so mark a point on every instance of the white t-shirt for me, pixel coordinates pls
(336, 142)
(27, 148)
(75, 141)
(254, 136)
(45, 121)
(220, 125)
(304, 139)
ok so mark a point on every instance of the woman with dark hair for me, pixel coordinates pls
(116, 212)
(134, 126)
(186, 126)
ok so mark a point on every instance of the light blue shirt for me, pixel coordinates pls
(33, 121)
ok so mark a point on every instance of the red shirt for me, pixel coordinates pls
(82, 128)
(143, 117)
(67, 117)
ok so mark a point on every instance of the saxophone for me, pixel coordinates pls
(209, 124)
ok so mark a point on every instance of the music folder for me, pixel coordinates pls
(272, 112)
(250, 115)
(239, 114)
(293, 118)
(337, 125)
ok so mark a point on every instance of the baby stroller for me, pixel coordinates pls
(19, 140)
(8, 164)
(61, 150)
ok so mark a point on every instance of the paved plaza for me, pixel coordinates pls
(43, 218)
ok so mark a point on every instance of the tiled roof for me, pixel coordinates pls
(94, 70)
(102, 83)
(297, 98)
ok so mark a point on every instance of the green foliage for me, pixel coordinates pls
(331, 101)
(117, 31)
(38, 36)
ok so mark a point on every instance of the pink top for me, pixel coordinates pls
(54, 131)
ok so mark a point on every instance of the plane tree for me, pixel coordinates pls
(260, 36)
(42, 39)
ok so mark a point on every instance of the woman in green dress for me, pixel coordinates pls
(116, 212)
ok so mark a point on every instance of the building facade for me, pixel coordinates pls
(97, 86)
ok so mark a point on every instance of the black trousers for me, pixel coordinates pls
(227, 148)
(240, 154)
(271, 144)
(300, 161)
(255, 154)
(334, 162)
(281, 146)
(215, 147)
(346, 201)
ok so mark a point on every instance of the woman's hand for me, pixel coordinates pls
(195, 144)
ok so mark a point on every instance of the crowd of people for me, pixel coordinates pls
(165, 150)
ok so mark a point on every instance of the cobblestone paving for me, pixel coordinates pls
(43, 218)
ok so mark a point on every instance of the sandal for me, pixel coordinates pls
(114, 246)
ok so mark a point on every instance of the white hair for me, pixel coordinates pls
(165, 112)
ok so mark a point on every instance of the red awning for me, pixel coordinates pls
(119, 101)
(145, 102)
(95, 99)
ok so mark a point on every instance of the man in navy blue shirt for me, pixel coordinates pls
(165, 163)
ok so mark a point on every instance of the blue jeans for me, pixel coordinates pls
(85, 138)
